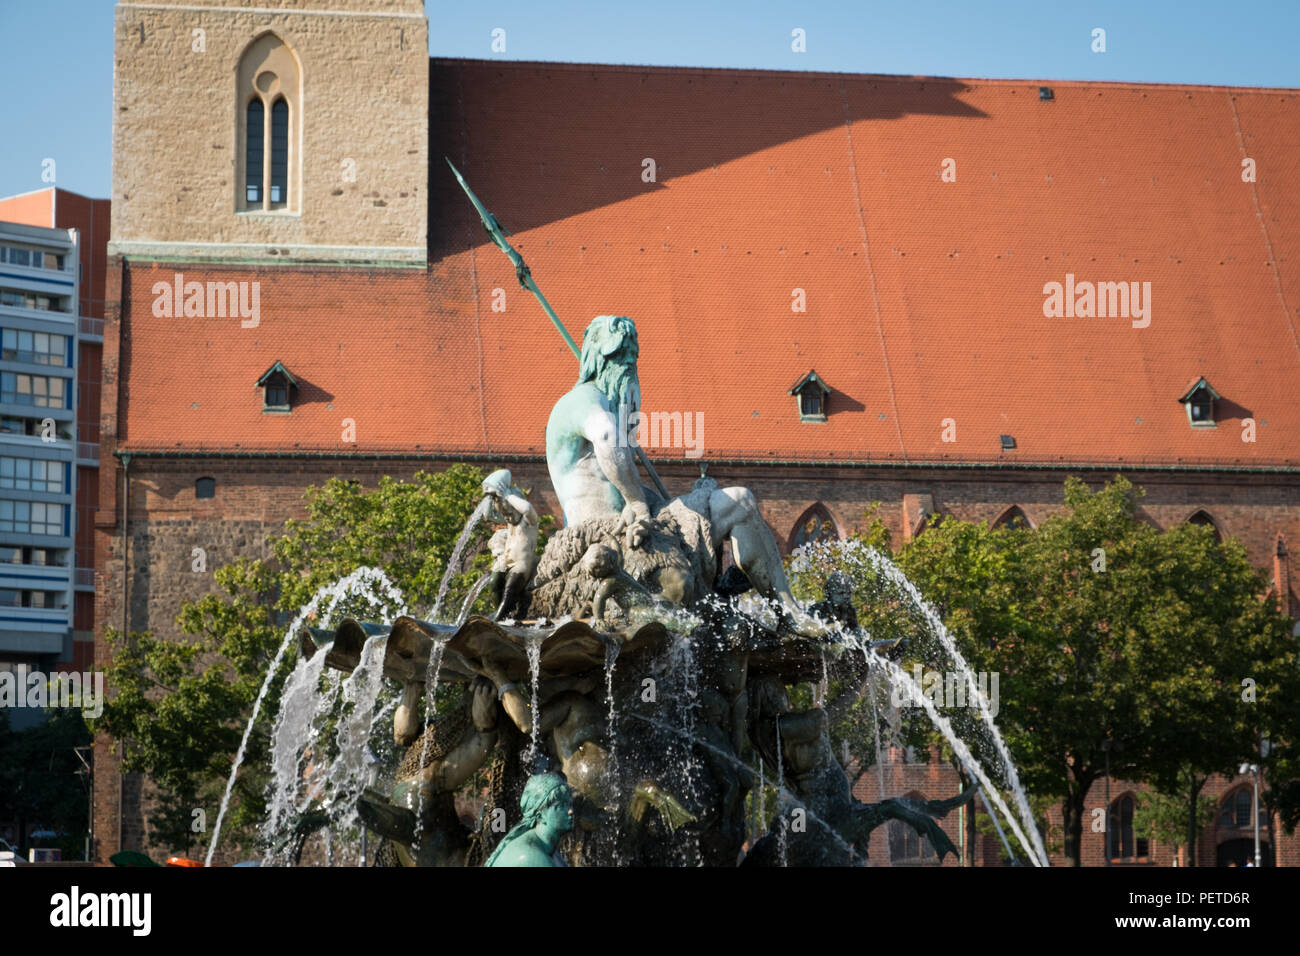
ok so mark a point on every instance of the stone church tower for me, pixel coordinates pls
(271, 139)
(254, 132)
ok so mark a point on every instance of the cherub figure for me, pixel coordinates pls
(838, 601)
(602, 563)
(516, 554)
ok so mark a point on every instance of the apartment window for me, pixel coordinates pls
(18, 299)
(268, 136)
(37, 557)
(34, 258)
(33, 517)
(39, 348)
(29, 474)
(35, 426)
(43, 391)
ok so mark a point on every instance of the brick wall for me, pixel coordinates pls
(255, 496)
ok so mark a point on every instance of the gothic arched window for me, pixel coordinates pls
(269, 133)
(906, 846)
(1203, 519)
(1013, 517)
(815, 524)
(1124, 845)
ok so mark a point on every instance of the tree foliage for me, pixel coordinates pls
(1109, 636)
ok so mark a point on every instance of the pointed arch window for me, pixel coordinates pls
(269, 128)
(1124, 844)
(1013, 517)
(1203, 519)
(279, 153)
(906, 846)
(815, 524)
(1238, 809)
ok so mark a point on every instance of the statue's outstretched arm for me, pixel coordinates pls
(472, 750)
(867, 817)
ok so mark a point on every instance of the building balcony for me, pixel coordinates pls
(88, 454)
(85, 579)
(29, 642)
(89, 327)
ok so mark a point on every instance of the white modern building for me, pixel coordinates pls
(39, 296)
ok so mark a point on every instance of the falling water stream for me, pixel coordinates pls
(454, 561)
(900, 676)
(431, 672)
(473, 596)
(841, 553)
(359, 582)
(535, 704)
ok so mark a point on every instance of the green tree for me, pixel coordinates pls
(1163, 817)
(1106, 633)
(42, 780)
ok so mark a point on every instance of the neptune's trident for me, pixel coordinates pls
(498, 234)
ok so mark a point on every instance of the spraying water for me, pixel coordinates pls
(431, 673)
(454, 561)
(780, 788)
(473, 596)
(360, 581)
(898, 675)
(854, 553)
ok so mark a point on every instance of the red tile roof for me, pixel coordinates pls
(925, 298)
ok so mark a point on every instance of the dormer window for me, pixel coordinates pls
(810, 394)
(278, 387)
(1199, 402)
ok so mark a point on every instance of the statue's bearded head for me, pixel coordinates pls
(609, 353)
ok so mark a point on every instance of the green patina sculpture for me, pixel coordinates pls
(547, 808)
(621, 658)
(590, 454)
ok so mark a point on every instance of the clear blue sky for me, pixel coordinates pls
(56, 68)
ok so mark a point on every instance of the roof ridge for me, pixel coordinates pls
(569, 66)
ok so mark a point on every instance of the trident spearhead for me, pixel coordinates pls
(494, 228)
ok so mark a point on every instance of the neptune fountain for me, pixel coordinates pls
(637, 704)
(628, 700)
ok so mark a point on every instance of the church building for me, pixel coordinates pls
(943, 295)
